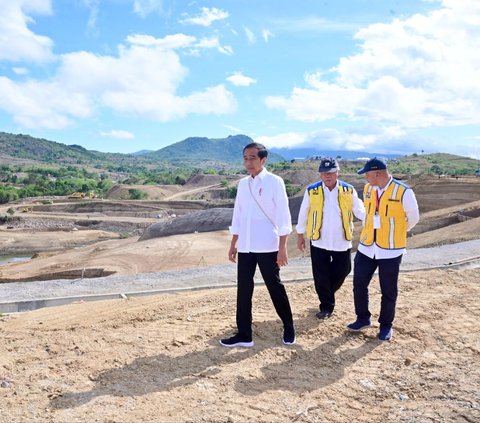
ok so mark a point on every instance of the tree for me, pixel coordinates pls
(136, 194)
(8, 194)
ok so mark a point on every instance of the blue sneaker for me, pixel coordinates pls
(385, 334)
(359, 324)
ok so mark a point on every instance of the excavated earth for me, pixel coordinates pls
(157, 358)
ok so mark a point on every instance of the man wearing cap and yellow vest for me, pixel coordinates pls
(326, 219)
(392, 210)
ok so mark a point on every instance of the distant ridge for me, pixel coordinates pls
(199, 152)
(206, 153)
(26, 147)
(305, 153)
(200, 149)
(141, 152)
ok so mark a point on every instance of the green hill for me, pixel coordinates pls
(192, 152)
(195, 151)
(21, 146)
(201, 153)
(435, 164)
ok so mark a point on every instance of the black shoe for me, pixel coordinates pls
(289, 335)
(323, 315)
(237, 341)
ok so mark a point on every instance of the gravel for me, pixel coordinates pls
(33, 294)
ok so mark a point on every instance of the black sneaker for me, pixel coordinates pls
(323, 315)
(289, 335)
(237, 341)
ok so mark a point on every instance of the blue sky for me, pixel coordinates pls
(390, 76)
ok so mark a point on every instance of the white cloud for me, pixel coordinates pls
(42, 104)
(266, 35)
(214, 42)
(252, 39)
(372, 139)
(206, 17)
(20, 71)
(240, 80)
(417, 72)
(145, 7)
(92, 6)
(234, 129)
(142, 81)
(17, 41)
(118, 133)
(170, 42)
(312, 24)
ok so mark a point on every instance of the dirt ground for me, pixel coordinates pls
(90, 249)
(122, 256)
(157, 359)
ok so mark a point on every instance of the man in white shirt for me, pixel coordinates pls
(326, 219)
(392, 210)
(261, 223)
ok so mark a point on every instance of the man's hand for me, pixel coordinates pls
(301, 242)
(282, 257)
(232, 254)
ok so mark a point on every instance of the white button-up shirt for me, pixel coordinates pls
(256, 233)
(331, 235)
(409, 203)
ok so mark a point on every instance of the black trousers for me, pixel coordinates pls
(388, 269)
(246, 266)
(329, 268)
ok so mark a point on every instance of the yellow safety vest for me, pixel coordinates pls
(315, 212)
(392, 233)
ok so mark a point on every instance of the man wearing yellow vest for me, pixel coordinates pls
(392, 210)
(326, 219)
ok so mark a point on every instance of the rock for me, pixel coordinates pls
(215, 219)
(368, 384)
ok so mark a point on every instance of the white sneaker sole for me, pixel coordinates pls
(238, 344)
(289, 343)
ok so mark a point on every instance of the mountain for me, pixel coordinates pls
(140, 153)
(192, 152)
(197, 150)
(305, 153)
(20, 146)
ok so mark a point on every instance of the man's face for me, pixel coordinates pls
(329, 178)
(253, 164)
(372, 177)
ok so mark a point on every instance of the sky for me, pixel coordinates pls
(389, 76)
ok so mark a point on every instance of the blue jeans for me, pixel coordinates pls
(363, 270)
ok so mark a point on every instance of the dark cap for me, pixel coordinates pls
(373, 164)
(328, 164)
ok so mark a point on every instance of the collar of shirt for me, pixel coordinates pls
(260, 176)
(327, 191)
(382, 190)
